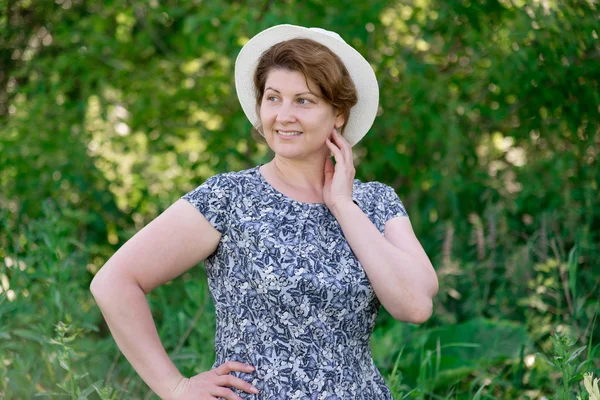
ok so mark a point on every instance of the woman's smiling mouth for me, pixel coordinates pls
(288, 133)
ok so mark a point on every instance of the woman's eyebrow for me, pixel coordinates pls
(297, 94)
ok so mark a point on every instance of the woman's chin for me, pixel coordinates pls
(298, 150)
(299, 154)
(289, 153)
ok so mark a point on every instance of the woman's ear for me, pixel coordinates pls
(339, 121)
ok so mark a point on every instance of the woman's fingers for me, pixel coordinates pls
(337, 153)
(224, 379)
(344, 146)
(238, 383)
(231, 366)
(218, 383)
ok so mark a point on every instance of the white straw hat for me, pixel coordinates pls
(362, 114)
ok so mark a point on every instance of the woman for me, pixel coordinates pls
(299, 255)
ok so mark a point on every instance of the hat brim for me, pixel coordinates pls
(362, 114)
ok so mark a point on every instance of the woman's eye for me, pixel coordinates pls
(304, 101)
(271, 98)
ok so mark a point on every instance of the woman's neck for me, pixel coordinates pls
(301, 175)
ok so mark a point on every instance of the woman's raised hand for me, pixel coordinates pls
(214, 384)
(337, 188)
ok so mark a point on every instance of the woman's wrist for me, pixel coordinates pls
(177, 387)
(341, 207)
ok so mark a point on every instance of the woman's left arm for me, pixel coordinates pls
(398, 268)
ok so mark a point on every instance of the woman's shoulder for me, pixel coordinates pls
(371, 189)
(233, 178)
(379, 201)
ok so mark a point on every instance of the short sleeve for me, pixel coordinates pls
(390, 205)
(212, 199)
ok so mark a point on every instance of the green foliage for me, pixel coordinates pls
(488, 129)
(446, 356)
(564, 361)
(467, 347)
(66, 358)
(44, 276)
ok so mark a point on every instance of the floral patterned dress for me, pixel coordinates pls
(290, 296)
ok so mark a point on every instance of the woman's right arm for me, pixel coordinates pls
(174, 242)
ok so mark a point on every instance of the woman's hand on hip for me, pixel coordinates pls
(337, 189)
(215, 384)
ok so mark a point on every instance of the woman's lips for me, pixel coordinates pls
(288, 134)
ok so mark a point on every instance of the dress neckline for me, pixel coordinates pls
(282, 196)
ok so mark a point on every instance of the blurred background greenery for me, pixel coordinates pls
(488, 129)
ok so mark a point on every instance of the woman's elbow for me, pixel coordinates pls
(97, 286)
(105, 282)
(423, 313)
(416, 315)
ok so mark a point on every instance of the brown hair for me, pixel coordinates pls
(317, 63)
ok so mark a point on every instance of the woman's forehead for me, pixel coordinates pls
(290, 82)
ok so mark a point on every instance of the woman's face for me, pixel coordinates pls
(295, 119)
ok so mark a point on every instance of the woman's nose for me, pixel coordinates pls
(285, 113)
